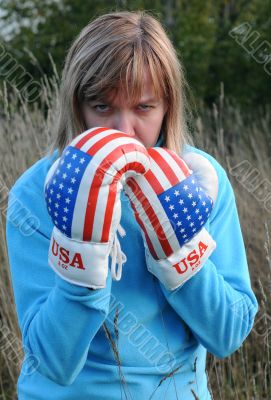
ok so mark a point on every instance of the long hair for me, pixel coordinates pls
(111, 51)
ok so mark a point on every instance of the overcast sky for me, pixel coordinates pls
(6, 32)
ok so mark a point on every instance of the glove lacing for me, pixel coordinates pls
(117, 256)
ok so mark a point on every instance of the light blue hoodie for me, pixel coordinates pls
(68, 351)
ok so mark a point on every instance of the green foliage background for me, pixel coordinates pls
(199, 30)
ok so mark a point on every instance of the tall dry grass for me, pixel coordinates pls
(223, 131)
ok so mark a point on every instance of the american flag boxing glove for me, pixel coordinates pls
(82, 192)
(172, 204)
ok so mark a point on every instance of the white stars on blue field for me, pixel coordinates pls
(62, 189)
(187, 207)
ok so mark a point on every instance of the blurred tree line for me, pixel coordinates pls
(218, 41)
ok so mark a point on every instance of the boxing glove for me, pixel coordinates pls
(172, 204)
(82, 193)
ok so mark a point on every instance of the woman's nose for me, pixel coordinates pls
(124, 122)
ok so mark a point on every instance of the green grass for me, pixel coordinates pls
(26, 132)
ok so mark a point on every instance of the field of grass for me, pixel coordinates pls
(235, 140)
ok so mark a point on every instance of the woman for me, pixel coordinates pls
(136, 338)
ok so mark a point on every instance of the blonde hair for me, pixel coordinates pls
(113, 50)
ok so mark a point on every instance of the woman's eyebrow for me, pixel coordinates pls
(111, 101)
(148, 100)
(98, 100)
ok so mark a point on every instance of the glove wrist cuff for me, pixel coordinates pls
(175, 270)
(78, 262)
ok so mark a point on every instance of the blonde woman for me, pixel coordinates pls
(144, 336)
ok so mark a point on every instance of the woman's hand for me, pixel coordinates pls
(82, 192)
(172, 204)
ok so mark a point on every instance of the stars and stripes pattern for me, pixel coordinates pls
(169, 204)
(82, 192)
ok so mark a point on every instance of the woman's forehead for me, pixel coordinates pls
(131, 92)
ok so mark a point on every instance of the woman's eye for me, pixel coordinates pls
(144, 107)
(101, 108)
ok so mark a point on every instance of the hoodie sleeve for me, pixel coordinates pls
(57, 319)
(218, 303)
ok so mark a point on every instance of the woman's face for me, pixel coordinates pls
(142, 120)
